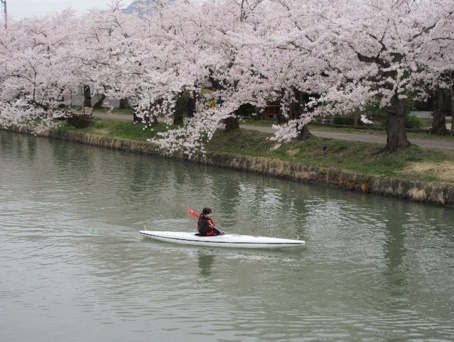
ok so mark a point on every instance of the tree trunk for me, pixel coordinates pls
(150, 122)
(296, 108)
(180, 107)
(296, 111)
(452, 113)
(438, 118)
(451, 92)
(304, 133)
(356, 116)
(281, 118)
(259, 113)
(135, 118)
(231, 123)
(124, 104)
(99, 103)
(395, 126)
(87, 96)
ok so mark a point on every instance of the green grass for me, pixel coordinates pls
(127, 111)
(365, 158)
(124, 129)
(258, 122)
(78, 109)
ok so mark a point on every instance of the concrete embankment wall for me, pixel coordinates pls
(404, 189)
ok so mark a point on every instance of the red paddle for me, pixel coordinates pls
(192, 212)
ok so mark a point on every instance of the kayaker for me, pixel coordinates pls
(205, 225)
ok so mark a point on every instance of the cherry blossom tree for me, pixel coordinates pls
(373, 50)
(196, 37)
(5, 13)
(36, 69)
(348, 53)
(438, 64)
(236, 58)
(114, 52)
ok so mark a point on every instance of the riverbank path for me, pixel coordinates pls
(446, 144)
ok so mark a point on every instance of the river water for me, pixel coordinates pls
(73, 266)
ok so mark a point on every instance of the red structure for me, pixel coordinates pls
(272, 110)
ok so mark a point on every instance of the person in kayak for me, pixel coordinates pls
(205, 225)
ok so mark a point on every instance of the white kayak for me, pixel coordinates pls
(225, 240)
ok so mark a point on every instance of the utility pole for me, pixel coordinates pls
(5, 13)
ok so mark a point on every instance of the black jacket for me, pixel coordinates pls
(205, 226)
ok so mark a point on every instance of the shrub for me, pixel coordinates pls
(80, 121)
(343, 120)
(412, 121)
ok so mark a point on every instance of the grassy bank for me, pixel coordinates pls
(413, 164)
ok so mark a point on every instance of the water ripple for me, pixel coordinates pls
(373, 268)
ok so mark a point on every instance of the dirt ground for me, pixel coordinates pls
(443, 170)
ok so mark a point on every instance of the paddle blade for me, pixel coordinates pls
(192, 212)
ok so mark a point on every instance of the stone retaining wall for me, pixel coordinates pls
(404, 189)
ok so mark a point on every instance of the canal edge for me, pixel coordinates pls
(440, 194)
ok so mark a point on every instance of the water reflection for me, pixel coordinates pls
(206, 262)
(395, 250)
(228, 189)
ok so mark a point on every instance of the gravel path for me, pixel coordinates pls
(365, 137)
